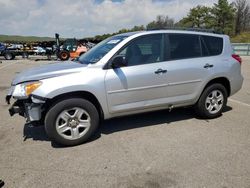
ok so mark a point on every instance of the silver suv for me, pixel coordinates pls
(127, 74)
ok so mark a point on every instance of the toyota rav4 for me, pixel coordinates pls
(127, 74)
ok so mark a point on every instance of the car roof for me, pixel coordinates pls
(169, 31)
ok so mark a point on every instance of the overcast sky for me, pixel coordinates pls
(85, 18)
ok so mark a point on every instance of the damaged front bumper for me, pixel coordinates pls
(16, 108)
(30, 108)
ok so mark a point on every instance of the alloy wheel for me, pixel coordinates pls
(214, 101)
(73, 123)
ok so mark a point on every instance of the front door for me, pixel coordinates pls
(142, 83)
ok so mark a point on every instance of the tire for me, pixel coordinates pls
(48, 56)
(212, 101)
(64, 55)
(8, 56)
(61, 121)
(25, 55)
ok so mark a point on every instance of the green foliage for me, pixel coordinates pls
(199, 16)
(242, 17)
(14, 38)
(161, 22)
(102, 37)
(244, 37)
(220, 17)
(223, 17)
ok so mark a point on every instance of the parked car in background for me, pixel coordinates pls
(10, 51)
(15, 46)
(2, 47)
(39, 50)
(127, 74)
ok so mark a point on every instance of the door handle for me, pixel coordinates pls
(159, 71)
(208, 66)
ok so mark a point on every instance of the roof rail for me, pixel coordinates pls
(197, 29)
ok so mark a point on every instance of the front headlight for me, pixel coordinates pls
(30, 87)
(25, 89)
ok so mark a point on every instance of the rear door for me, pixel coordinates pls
(185, 67)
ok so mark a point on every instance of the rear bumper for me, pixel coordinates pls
(236, 84)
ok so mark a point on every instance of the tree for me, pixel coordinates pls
(161, 22)
(199, 16)
(223, 16)
(246, 20)
(135, 28)
(104, 36)
(242, 18)
(138, 28)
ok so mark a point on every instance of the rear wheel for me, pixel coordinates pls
(212, 101)
(64, 55)
(71, 121)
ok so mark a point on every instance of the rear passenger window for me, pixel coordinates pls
(214, 45)
(184, 46)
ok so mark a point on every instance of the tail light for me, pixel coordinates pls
(237, 58)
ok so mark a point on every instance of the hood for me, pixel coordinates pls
(48, 71)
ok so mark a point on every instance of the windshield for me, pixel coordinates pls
(100, 50)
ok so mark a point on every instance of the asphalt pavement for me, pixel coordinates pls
(159, 149)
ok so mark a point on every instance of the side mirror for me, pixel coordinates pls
(118, 61)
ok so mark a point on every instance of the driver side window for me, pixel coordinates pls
(143, 50)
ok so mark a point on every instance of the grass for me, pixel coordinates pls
(242, 38)
(16, 38)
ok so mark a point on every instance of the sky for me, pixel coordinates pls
(85, 18)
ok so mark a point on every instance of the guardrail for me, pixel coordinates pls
(241, 48)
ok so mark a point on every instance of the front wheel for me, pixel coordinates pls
(71, 121)
(64, 55)
(212, 101)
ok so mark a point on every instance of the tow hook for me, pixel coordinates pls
(1, 183)
(14, 109)
(7, 99)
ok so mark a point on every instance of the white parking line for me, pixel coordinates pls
(239, 102)
(9, 64)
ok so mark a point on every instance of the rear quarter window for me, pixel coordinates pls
(212, 45)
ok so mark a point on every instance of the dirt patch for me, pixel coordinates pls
(3, 88)
(148, 180)
(2, 135)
